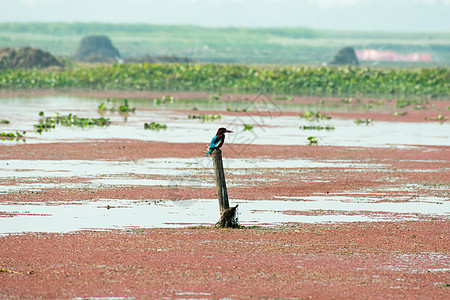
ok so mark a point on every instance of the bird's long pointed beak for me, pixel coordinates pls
(229, 131)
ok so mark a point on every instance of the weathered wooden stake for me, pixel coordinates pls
(228, 216)
(220, 180)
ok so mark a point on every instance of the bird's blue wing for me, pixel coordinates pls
(214, 143)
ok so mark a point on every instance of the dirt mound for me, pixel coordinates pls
(345, 56)
(158, 59)
(96, 48)
(26, 58)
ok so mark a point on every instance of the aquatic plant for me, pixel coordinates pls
(204, 117)
(154, 126)
(286, 98)
(239, 110)
(313, 140)
(4, 122)
(124, 108)
(217, 96)
(68, 120)
(418, 103)
(438, 118)
(318, 127)
(11, 136)
(365, 121)
(102, 107)
(351, 101)
(163, 99)
(219, 78)
(248, 127)
(314, 116)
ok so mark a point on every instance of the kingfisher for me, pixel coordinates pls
(218, 139)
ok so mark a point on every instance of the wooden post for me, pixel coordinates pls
(220, 180)
(228, 216)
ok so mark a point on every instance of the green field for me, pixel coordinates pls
(230, 45)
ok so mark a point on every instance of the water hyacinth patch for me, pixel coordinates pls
(110, 106)
(314, 116)
(11, 136)
(204, 117)
(438, 118)
(154, 126)
(248, 127)
(318, 127)
(364, 121)
(239, 110)
(293, 80)
(68, 120)
(162, 100)
(313, 140)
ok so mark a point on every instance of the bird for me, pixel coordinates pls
(218, 139)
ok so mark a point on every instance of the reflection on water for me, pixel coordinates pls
(275, 129)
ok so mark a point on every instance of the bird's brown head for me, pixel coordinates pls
(222, 130)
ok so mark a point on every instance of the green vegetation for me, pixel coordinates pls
(329, 81)
(110, 106)
(163, 100)
(438, 118)
(351, 101)
(318, 127)
(215, 96)
(248, 127)
(4, 122)
(11, 136)
(125, 108)
(417, 103)
(204, 117)
(314, 116)
(239, 110)
(68, 120)
(286, 98)
(365, 121)
(313, 140)
(154, 126)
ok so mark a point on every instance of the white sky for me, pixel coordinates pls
(381, 15)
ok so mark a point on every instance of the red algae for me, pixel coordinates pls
(369, 260)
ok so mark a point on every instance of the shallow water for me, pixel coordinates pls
(122, 214)
(36, 175)
(275, 129)
(183, 171)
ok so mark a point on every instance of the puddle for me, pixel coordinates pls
(420, 205)
(275, 129)
(32, 217)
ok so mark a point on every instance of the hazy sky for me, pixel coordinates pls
(383, 15)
